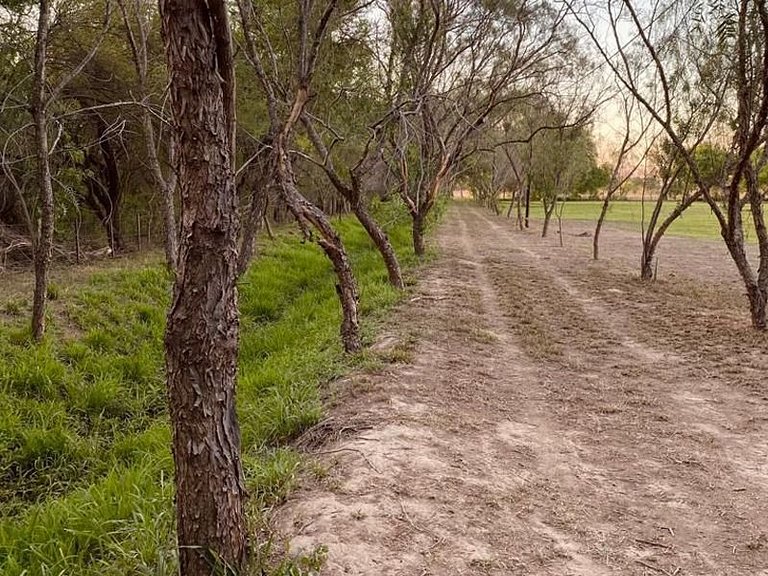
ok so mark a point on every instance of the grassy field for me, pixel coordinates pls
(86, 475)
(696, 222)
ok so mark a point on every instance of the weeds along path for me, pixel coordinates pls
(556, 417)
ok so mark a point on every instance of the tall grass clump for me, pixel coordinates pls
(85, 464)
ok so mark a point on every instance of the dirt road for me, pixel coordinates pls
(555, 417)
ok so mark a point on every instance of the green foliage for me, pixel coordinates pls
(594, 179)
(86, 476)
(711, 162)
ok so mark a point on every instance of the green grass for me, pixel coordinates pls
(696, 222)
(85, 473)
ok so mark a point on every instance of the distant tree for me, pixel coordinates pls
(137, 20)
(634, 131)
(449, 67)
(560, 159)
(596, 178)
(45, 93)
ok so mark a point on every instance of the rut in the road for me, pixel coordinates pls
(539, 429)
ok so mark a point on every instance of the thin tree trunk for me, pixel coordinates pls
(268, 226)
(201, 338)
(599, 227)
(548, 211)
(167, 187)
(527, 205)
(417, 229)
(44, 240)
(307, 213)
(757, 295)
(381, 240)
(646, 261)
(256, 216)
(512, 204)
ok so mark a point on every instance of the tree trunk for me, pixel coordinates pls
(381, 240)
(167, 187)
(114, 231)
(757, 295)
(646, 261)
(419, 246)
(527, 205)
(757, 306)
(44, 239)
(256, 216)
(548, 210)
(307, 213)
(201, 338)
(44, 244)
(598, 228)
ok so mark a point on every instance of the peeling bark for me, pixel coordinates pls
(201, 338)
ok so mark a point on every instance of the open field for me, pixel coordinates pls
(696, 222)
(558, 418)
(86, 477)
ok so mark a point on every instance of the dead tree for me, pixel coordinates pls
(201, 339)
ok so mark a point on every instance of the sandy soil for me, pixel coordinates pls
(557, 417)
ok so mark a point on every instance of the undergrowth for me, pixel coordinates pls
(86, 472)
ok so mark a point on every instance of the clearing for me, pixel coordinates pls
(555, 417)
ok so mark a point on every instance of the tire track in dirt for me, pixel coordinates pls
(495, 452)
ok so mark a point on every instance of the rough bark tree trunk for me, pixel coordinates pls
(257, 214)
(381, 240)
(201, 338)
(44, 237)
(307, 214)
(419, 246)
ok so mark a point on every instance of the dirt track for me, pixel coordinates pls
(557, 417)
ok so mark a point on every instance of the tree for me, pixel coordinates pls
(201, 338)
(137, 21)
(560, 157)
(621, 172)
(286, 104)
(43, 96)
